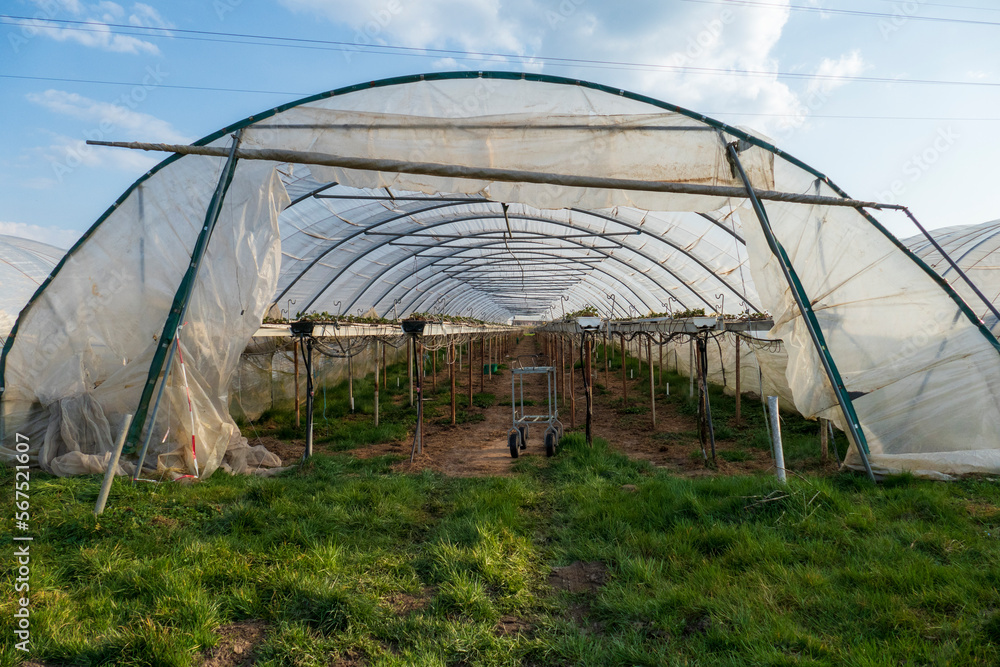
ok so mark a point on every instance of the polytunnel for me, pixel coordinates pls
(499, 196)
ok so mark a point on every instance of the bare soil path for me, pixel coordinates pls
(480, 448)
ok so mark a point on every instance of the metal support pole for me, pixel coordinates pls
(824, 440)
(471, 364)
(482, 366)
(163, 357)
(809, 318)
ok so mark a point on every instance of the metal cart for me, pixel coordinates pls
(517, 437)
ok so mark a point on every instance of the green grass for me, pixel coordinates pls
(713, 571)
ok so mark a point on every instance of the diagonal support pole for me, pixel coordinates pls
(163, 357)
(808, 316)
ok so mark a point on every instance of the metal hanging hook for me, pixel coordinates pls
(722, 303)
(612, 299)
(288, 309)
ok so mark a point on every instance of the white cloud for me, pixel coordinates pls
(60, 238)
(697, 37)
(826, 79)
(109, 119)
(472, 25)
(98, 34)
(39, 183)
(710, 58)
(66, 154)
(104, 121)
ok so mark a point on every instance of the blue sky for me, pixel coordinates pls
(798, 70)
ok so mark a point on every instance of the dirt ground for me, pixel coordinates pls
(480, 448)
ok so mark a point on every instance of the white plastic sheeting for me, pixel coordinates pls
(924, 378)
(976, 250)
(24, 265)
(84, 348)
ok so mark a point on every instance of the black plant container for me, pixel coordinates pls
(302, 328)
(413, 326)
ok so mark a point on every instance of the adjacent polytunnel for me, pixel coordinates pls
(499, 196)
(24, 265)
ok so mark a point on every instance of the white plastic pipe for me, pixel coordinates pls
(779, 454)
(109, 476)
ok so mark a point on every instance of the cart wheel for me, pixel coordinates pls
(523, 430)
(550, 442)
(512, 443)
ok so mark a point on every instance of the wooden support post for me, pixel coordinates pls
(385, 373)
(434, 371)
(691, 370)
(702, 422)
(572, 385)
(295, 350)
(607, 364)
(482, 366)
(652, 392)
(451, 370)
(471, 343)
(739, 388)
(588, 382)
(562, 362)
(624, 383)
(419, 354)
(410, 349)
(659, 366)
(378, 344)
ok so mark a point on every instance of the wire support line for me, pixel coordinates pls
(846, 12)
(391, 49)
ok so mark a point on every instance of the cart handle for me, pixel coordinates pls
(534, 359)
